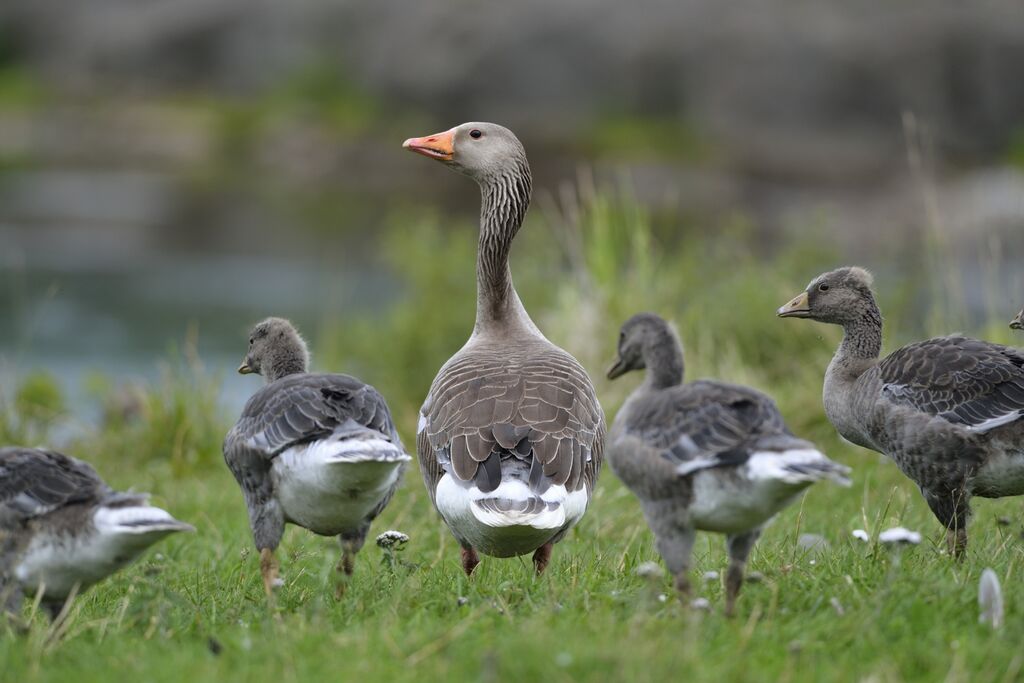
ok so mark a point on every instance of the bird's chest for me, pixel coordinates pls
(846, 410)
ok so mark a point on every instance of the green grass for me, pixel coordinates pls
(590, 617)
(193, 607)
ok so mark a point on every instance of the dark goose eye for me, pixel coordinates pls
(475, 134)
(823, 287)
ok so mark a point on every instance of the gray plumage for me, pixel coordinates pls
(704, 455)
(316, 450)
(61, 526)
(510, 407)
(947, 410)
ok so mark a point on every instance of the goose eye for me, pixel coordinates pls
(475, 134)
(823, 287)
(251, 341)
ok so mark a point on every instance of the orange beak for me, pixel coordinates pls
(440, 146)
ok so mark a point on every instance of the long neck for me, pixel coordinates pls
(504, 199)
(288, 361)
(862, 340)
(663, 357)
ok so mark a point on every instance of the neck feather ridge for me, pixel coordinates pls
(862, 339)
(504, 200)
(664, 361)
(287, 363)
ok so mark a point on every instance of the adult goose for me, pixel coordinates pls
(947, 410)
(511, 433)
(704, 455)
(1018, 322)
(316, 450)
(63, 529)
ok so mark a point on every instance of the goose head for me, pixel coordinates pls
(479, 150)
(275, 349)
(647, 341)
(838, 297)
(1018, 322)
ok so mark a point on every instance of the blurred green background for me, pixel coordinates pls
(172, 171)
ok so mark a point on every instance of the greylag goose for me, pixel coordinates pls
(1018, 322)
(63, 529)
(704, 455)
(947, 410)
(511, 433)
(316, 450)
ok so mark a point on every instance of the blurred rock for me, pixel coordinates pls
(785, 86)
(813, 543)
(990, 599)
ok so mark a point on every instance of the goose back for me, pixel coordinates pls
(530, 401)
(964, 381)
(35, 482)
(946, 410)
(662, 435)
(303, 407)
(295, 411)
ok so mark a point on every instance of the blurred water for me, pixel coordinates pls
(125, 320)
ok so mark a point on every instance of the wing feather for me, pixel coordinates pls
(964, 381)
(711, 423)
(294, 410)
(537, 405)
(34, 482)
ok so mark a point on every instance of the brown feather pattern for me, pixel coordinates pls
(962, 380)
(534, 403)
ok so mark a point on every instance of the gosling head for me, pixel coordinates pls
(480, 150)
(838, 297)
(275, 350)
(1018, 322)
(647, 341)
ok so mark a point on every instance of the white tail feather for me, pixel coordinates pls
(552, 517)
(141, 519)
(355, 449)
(559, 505)
(797, 466)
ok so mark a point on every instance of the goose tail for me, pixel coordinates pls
(533, 512)
(797, 466)
(137, 520)
(359, 445)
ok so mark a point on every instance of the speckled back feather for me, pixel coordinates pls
(534, 403)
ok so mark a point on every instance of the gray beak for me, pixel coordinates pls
(617, 369)
(1018, 322)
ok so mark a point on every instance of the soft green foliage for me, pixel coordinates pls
(176, 422)
(630, 137)
(36, 406)
(18, 88)
(193, 607)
